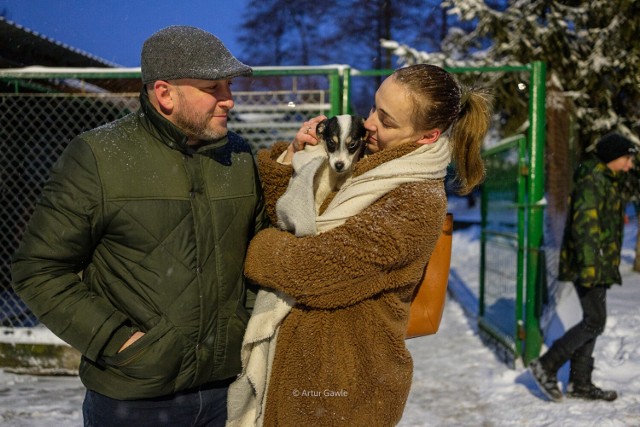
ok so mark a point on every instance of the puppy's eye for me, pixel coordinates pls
(354, 146)
(331, 145)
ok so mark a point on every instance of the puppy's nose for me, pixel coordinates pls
(339, 166)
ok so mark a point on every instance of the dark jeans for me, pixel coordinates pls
(580, 341)
(202, 407)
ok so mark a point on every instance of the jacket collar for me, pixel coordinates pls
(168, 133)
(593, 164)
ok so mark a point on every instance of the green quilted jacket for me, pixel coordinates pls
(590, 253)
(159, 233)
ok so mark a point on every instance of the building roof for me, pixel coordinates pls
(21, 47)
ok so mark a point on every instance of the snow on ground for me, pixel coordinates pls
(458, 381)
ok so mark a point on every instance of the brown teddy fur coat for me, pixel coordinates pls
(340, 355)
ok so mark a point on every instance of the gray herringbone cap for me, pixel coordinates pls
(183, 52)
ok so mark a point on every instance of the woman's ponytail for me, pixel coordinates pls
(466, 137)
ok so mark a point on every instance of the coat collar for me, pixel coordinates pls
(594, 163)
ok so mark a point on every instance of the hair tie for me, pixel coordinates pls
(464, 100)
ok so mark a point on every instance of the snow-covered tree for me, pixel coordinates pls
(591, 48)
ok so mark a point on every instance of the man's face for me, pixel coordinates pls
(201, 108)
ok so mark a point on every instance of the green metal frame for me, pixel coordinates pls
(531, 217)
(339, 77)
(535, 214)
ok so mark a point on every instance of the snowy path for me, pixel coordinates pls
(460, 382)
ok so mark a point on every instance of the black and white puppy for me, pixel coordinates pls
(344, 138)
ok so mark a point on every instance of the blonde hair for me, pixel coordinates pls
(441, 103)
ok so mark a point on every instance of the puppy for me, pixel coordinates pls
(344, 138)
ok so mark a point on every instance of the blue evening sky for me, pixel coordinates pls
(115, 29)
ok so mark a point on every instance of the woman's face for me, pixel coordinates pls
(389, 122)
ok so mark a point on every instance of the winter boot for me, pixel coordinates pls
(580, 385)
(546, 380)
(590, 392)
(545, 368)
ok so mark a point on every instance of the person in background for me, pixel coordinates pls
(340, 356)
(590, 258)
(155, 211)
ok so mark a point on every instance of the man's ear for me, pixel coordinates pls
(429, 137)
(164, 93)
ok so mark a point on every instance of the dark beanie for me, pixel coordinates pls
(614, 145)
(183, 52)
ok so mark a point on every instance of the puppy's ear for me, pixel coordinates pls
(361, 131)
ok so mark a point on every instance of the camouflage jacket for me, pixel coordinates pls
(592, 241)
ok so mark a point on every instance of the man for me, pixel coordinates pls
(589, 257)
(156, 210)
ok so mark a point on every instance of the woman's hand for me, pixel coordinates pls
(306, 135)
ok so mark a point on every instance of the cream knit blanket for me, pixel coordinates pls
(296, 211)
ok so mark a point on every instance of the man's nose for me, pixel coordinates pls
(227, 101)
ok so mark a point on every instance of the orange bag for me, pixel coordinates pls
(427, 304)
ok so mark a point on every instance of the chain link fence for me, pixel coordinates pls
(36, 127)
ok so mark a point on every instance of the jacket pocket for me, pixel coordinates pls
(157, 355)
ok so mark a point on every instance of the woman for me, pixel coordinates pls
(340, 356)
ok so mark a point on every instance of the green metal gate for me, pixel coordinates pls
(502, 241)
(511, 262)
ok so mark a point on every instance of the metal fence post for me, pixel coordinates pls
(346, 91)
(335, 93)
(533, 338)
